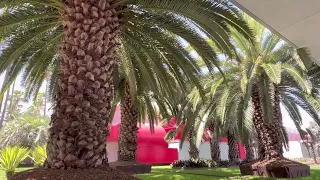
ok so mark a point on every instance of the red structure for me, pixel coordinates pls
(152, 148)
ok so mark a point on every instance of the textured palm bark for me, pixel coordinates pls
(277, 119)
(214, 145)
(193, 150)
(249, 152)
(83, 101)
(314, 156)
(267, 133)
(261, 150)
(128, 129)
(233, 153)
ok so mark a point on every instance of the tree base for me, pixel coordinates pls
(277, 168)
(101, 173)
(131, 167)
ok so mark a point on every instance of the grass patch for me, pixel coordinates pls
(166, 173)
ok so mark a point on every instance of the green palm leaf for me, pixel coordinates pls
(299, 77)
(273, 71)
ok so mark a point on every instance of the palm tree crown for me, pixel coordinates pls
(151, 36)
(92, 36)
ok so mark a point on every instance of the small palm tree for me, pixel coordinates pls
(39, 155)
(11, 157)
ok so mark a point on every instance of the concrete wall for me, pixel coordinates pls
(295, 150)
(204, 150)
(112, 151)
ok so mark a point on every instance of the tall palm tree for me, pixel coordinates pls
(137, 101)
(233, 152)
(249, 152)
(271, 72)
(5, 101)
(264, 74)
(193, 149)
(89, 34)
(186, 114)
(250, 146)
(215, 142)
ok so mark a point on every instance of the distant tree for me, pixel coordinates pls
(315, 129)
(26, 129)
(310, 143)
(14, 109)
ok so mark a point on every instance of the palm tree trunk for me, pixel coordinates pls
(261, 150)
(267, 133)
(45, 99)
(249, 151)
(214, 145)
(128, 129)
(313, 154)
(12, 93)
(3, 113)
(277, 120)
(4, 109)
(83, 102)
(9, 175)
(233, 153)
(193, 149)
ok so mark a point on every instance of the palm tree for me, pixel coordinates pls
(89, 36)
(214, 142)
(233, 152)
(4, 110)
(136, 88)
(15, 109)
(264, 74)
(249, 152)
(182, 109)
(310, 144)
(128, 128)
(193, 149)
(271, 72)
(250, 146)
(135, 108)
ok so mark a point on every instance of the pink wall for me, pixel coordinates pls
(152, 148)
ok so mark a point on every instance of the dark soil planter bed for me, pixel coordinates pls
(277, 168)
(101, 173)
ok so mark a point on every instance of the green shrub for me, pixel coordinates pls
(27, 131)
(193, 163)
(11, 157)
(39, 155)
(223, 163)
